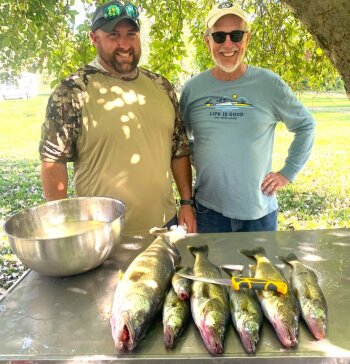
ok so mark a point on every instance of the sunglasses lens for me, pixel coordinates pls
(132, 11)
(111, 10)
(236, 35)
(219, 37)
(114, 10)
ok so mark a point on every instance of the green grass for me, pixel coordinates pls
(318, 199)
(320, 196)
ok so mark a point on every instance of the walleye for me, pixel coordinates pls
(209, 302)
(310, 297)
(140, 293)
(281, 310)
(182, 286)
(246, 314)
(176, 314)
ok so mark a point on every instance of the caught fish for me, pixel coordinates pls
(141, 291)
(182, 286)
(281, 310)
(209, 302)
(176, 314)
(246, 314)
(310, 297)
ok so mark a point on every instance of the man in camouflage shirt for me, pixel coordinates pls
(121, 126)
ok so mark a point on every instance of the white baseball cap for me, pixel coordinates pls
(222, 9)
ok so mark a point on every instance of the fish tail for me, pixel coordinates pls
(258, 251)
(288, 259)
(194, 250)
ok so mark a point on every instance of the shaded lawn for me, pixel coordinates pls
(318, 199)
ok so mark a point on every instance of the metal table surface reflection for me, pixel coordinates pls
(67, 319)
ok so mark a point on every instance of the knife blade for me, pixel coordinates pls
(242, 282)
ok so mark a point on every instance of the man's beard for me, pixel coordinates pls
(121, 68)
(226, 68)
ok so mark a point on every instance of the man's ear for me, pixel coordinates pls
(248, 38)
(93, 38)
(206, 40)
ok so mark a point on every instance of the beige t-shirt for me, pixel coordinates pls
(123, 147)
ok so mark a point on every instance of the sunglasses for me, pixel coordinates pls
(235, 36)
(115, 10)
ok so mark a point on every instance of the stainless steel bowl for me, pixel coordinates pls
(66, 237)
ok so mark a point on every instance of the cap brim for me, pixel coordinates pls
(111, 23)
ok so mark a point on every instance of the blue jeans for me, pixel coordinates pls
(210, 221)
(171, 222)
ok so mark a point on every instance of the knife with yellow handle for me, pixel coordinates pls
(243, 282)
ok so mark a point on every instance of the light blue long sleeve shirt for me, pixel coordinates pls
(232, 127)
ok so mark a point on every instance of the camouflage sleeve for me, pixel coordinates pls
(180, 145)
(60, 129)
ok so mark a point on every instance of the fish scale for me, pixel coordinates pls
(309, 294)
(246, 314)
(141, 291)
(281, 310)
(209, 302)
(176, 314)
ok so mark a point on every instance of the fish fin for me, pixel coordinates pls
(258, 251)
(288, 259)
(198, 249)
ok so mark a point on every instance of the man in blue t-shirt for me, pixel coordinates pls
(231, 113)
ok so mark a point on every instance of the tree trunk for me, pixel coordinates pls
(329, 22)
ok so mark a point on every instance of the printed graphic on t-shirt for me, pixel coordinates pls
(225, 107)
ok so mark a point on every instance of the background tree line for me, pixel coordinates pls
(50, 35)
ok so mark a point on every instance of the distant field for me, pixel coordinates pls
(319, 198)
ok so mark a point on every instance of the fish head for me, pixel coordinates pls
(171, 331)
(123, 332)
(316, 318)
(212, 328)
(249, 334)
(183, 289)
(286, 324)
(129, 323)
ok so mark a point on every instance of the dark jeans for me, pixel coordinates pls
(171, 222)
(210, 221)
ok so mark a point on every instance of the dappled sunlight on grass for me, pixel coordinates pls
(319, 198)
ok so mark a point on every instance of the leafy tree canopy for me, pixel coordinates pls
(37, 35)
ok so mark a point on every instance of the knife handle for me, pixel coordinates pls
(259, 284)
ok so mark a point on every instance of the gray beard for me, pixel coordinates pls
(227, 69)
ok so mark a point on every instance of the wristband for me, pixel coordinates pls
(186, 202)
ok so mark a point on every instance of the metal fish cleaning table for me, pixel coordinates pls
(67, 319)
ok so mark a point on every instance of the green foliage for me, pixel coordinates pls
(167, 44)
(49, 38)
